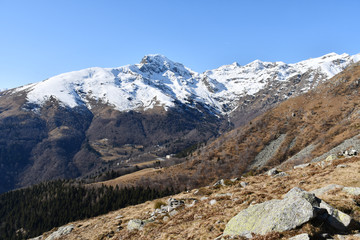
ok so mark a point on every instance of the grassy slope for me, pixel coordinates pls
(205, 221)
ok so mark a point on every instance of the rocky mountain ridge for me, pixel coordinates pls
(82, 123)
(158, 81)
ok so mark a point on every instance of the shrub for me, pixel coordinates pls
(158, 204)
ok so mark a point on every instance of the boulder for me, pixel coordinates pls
(135, 224)
(320, 191)
(62, 231)
(352, 190)
(274, 215)
(336, 218)
(296, 208)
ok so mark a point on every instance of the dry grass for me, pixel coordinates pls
(205, 221)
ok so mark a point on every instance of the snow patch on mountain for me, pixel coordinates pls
(158, 81)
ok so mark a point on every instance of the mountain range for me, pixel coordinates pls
(85, 122)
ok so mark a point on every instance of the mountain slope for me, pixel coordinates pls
(305, 128)
(85, 122)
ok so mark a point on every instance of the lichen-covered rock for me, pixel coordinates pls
(135, 224)
(331, 157)
(274, 215)
(352, 190)
(62, 231)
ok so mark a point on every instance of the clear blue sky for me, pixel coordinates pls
(40, 39)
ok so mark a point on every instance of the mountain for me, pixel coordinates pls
(85, 122)
(320, 123)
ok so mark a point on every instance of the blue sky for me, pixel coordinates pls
(40, 39)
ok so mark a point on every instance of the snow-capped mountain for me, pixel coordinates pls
(83, 122)
(158, 81)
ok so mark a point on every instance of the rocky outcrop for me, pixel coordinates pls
(62, 231)
(296, 208)
(273, 215)
(352, 190)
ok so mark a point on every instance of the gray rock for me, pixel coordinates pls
(342, 166)
(135, 224)
(302, 166)
(281, 174)
(204, 198)
(219, 183)
(119, 216)
(234, 179)
(62, 231)
(244, 184)
(213, 202)
(352, 190)
(320, 191)
(336, 218)
(166, 218)
(219, 195)
(36, 238)
(274, 215)
(272, 172)
(173, 213)
(303, 236)
(296, 208)
(172, 202)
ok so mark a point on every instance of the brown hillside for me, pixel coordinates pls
(294, 132)
(203, 220)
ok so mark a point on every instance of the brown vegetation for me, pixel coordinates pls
(205, 221)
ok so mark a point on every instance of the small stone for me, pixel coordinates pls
(331, 157)
(119, 216)
(303, 236)
(342, 166)
(281, 174)
(272, 172)
(234, 179)
(173, 213)
(204, 198)
(212, 202)
(166, 218)
(244, 184)
(302, 166)
(219, 183)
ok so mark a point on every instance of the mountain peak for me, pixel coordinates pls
(155, 58)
